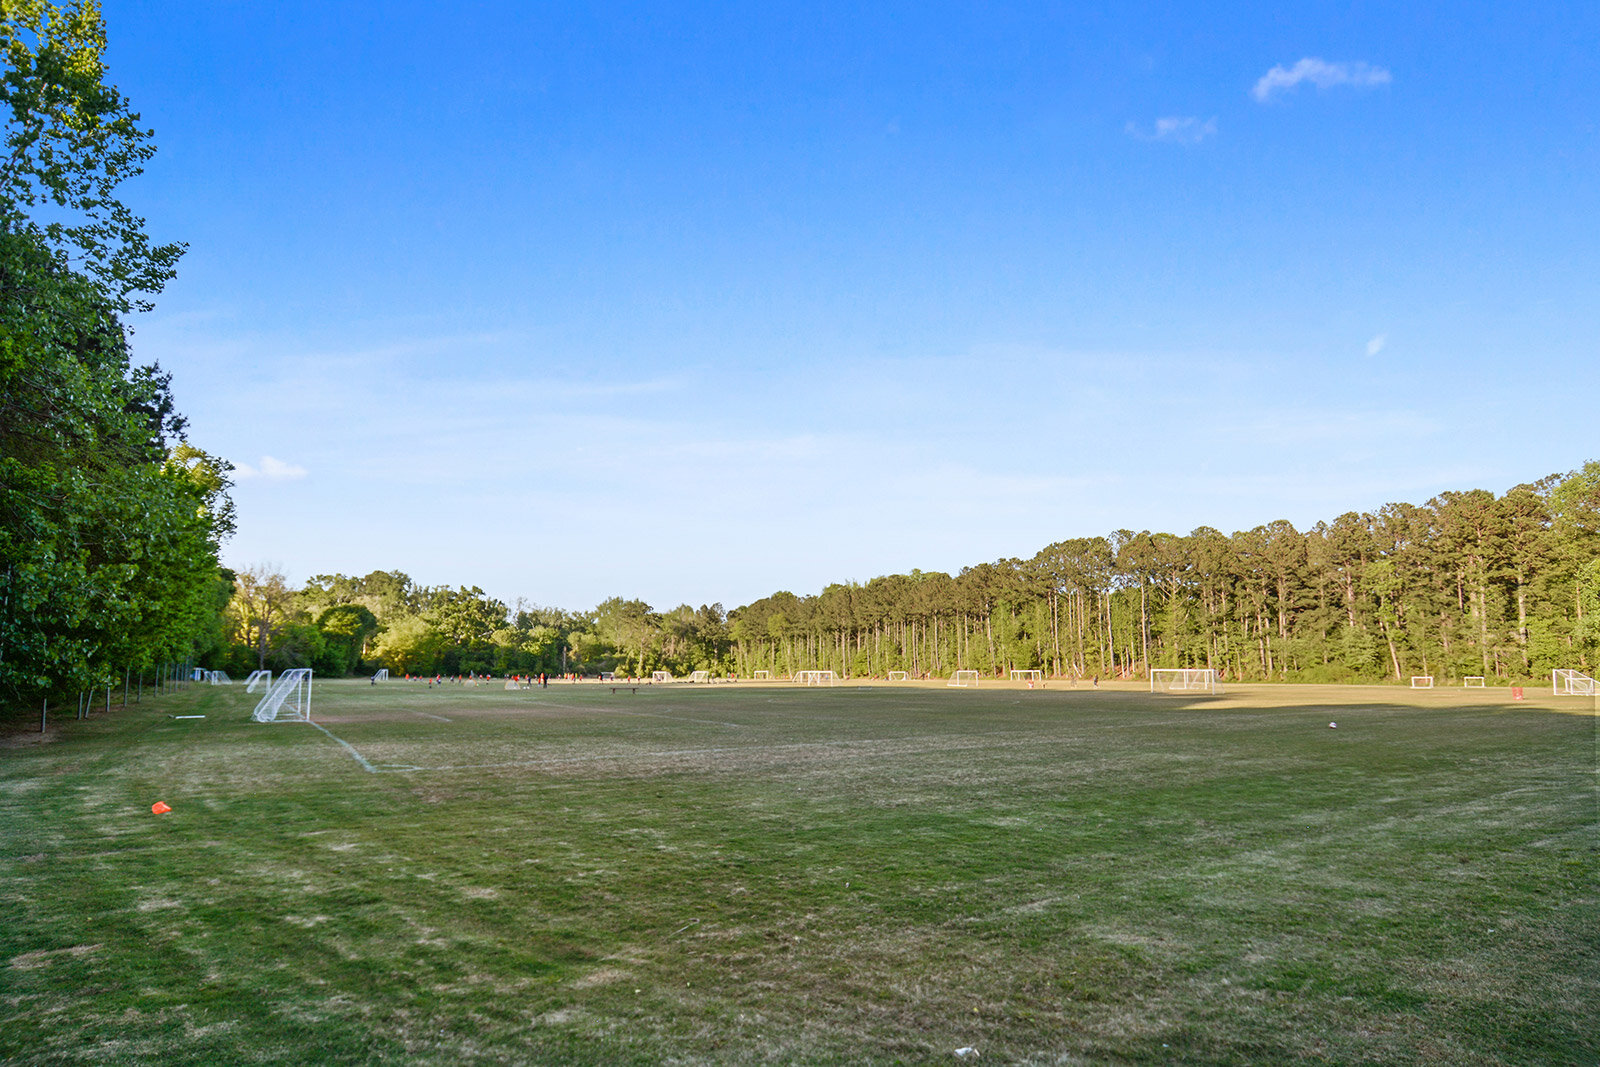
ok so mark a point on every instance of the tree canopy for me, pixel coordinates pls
(110, 522)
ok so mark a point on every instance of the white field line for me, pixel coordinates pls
(430, 715)
(348, 747)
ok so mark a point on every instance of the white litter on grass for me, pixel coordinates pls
(185, 716)
(968, 1051)
(1333, 726)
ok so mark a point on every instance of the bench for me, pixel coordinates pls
(630, 688)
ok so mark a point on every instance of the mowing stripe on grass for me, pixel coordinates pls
(869, 746)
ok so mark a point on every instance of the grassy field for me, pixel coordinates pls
(767, 874)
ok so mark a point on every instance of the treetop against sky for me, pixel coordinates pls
(690, 303)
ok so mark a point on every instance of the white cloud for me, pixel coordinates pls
(1375, 345)
(1318, 72)
(270, 470)
(1175, 130)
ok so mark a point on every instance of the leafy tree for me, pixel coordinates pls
(71, 139)
(346, 629)
(108, 527)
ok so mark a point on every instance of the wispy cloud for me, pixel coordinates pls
(1375, 345)
(1318, 72)
(270, 470)
(1175, 129)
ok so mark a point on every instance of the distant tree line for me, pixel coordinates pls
(1470, 583)
(1467, 584)
(338, 625)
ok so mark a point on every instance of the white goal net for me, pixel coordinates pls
(382, 675)
(218, 678)
(1422, 681)
(289, 699)
(700, 676)
(258, 680)
(1474, 681)
(1026, 674)
(761, 676)
(1566, 683)
(816, 678)
(964, 679)
(661, 676)
(1184, 680)
(897, 676)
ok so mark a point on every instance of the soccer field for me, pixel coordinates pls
(733, 874)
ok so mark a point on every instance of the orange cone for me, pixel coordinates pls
(160, 807)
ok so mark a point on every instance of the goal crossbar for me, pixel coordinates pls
(289, 699)
(1570, 683)
(815, 678)
(963, 680)
(1184, 680)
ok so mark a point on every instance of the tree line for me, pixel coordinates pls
(1470, 583)
(110, 520)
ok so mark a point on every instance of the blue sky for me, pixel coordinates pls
(697, 302)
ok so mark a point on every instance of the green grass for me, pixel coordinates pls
(728, 875)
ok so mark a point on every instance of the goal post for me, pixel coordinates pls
(1422, 681)
(897, 676)
(289, 699)
(382, 675)
(661, 676)
(1570, 683)
(1474, 681)
(1184, 680)
(963, 680)
(258, 680)
(1027, 674)
(761, 676)
(700, 676)
(815, 678)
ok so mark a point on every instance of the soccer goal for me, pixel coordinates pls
(964, 679)
(1028, 674)
(661, 676)
(761, 676)
(700, 676)
(218, 678)
(1422, 681)
(816, 678)
(1183, 680)
(382, 675)
(289, 699)
(897, 676)
(1565, 683)
(258, 679)
(1474, 681)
